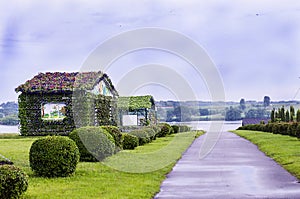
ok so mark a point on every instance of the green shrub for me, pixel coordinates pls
(175, 128)
(129, 141)
(155, 128)
(151, 132)
(54, 156)
(165, 129)
(142, 135)
(117, 135)
(13, 182)
(184, 128)
(292, 129)
(94, 143)
(129, 128)
(298, 131)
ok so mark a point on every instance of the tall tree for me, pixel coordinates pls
(298, 115)
(242, 104)
(292, 113)
(267, 101)
(282, 114)
(273, 115)
(287, 116)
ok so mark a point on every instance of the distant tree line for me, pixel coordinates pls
(9, 113)
(235, 113)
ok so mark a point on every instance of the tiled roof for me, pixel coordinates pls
(63, 82)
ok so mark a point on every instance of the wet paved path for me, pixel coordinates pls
(234, 169)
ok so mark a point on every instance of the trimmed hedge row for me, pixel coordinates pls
(149, 133)
(284, 128)
(130, 141)
(94, 143)
(180, 128)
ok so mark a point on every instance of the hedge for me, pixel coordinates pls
(130, 141)
(94, 143)
(116, 134)
(165, 129)
(13, 182)
(180, 128)
(142, 135)
(283, 128)
(54, 156)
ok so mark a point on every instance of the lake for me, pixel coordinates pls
(195, 125)
(209, 125)
(9, 129)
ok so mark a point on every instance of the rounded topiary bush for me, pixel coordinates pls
(130, 141)
(184, 128)
(165, 129)
(142, 135)
(54, 156)
(13, 182)
(151, 132)
(94, 143)
(175, 128)
(117, 135)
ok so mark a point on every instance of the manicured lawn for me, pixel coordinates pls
(146, 167)
(282, 148)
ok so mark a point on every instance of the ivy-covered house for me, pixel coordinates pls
(56, 103)
(136, 110)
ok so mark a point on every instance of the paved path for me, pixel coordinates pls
(234, 169)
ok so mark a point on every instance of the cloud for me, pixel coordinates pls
(253, 43)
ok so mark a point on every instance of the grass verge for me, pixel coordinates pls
(98, 180)
(282, 148)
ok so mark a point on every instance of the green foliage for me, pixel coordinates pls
(175, 128)
(13, 182)
(292, 113)
(180, 128)
(142, 135)
(130, 141)
(151, 132)
(103, 105)
(298, 131)
(94, 143)
(81, 109)
(31, 119)
(54, 156)
(232, 114)
(135, 102)
(282, 114)
(283, 128)
(165, 129)
(287, 116)
(273, 115)
(298, 116)
(117, 135)
(257, 113)
(97, 180)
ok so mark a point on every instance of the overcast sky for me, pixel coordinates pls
(255, 45)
